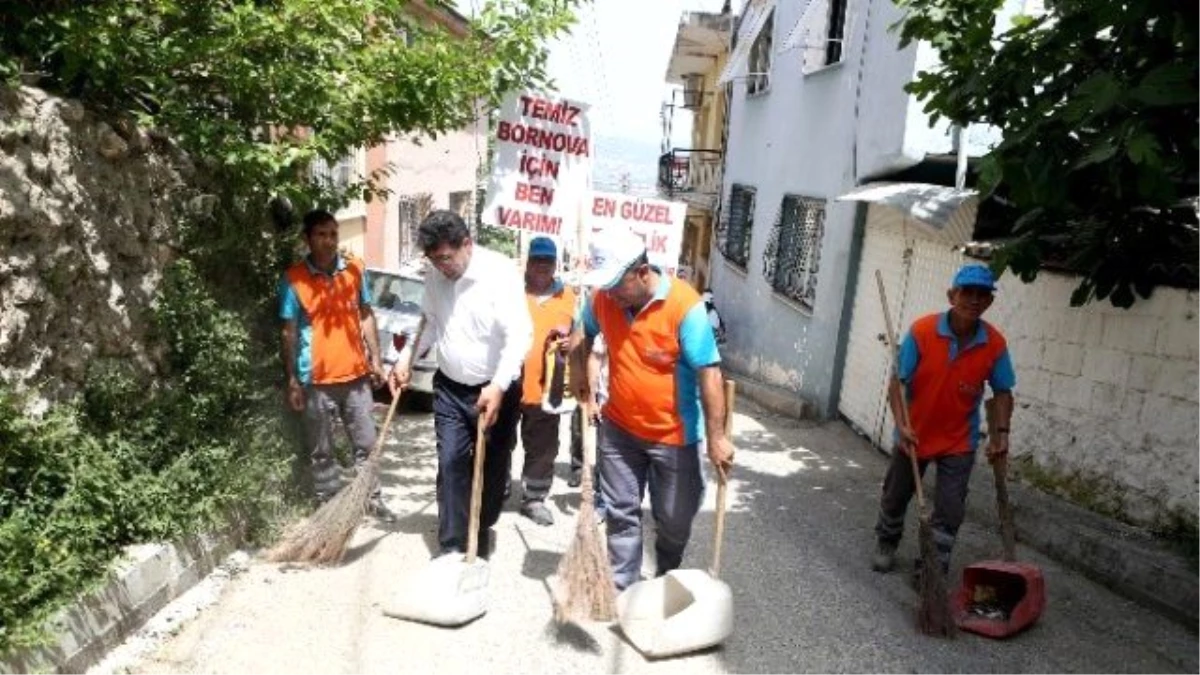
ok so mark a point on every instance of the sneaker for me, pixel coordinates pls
(538, 513)
(576, 478)
(380, 511)
(884, 559)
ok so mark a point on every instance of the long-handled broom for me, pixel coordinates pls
(585, 582)
(323, 537)
(933, 615)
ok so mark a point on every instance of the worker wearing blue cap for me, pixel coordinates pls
(544, 391)
(945, 359)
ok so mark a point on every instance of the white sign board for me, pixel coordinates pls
(657, 221)
(543, 165)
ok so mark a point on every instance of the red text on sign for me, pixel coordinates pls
(555, 111)
(534, 194)
(604, 207)
(538, 167)
(543, 139)
(528, 220)
(646, 213)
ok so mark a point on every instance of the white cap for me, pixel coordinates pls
(610, 255)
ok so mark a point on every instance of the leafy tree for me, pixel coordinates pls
(259, 88)
(1097, 103)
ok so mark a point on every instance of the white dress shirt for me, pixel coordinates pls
(480, 323)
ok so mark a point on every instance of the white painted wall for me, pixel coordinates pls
(1106, 396)
(812, 135)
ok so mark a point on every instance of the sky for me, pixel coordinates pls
(616, 60)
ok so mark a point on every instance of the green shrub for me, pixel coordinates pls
(131, 461)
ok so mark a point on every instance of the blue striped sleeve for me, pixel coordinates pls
(289, 304)
(697, 343)
(1003, 378)
(591, 327)
(364, 296)
(910, 356)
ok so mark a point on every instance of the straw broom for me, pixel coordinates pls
(323, 537)
(586, 591)
(933, 615)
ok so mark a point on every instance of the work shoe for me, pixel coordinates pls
(380, 511)
(884, 559)
(538, 513)
(576, 478)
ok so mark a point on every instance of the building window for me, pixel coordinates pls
(460, 203)
(413, 209)
(338, 175)
(793, 254)
(759, 77)
(734, 229)
(835, 35)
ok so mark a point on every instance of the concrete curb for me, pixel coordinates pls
(775, 399)
(142, 583)
(1128, 560)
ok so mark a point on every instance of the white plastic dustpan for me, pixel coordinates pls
(451, 590)
(684, 610)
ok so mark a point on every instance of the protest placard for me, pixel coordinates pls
(657, 221)
(542, 168)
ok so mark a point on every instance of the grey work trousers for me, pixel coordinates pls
(352, 402)
(626, 464)
(949, 499)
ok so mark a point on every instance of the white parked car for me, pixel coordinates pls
(396, 299)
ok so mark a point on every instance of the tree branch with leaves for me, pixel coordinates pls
(1097, 104)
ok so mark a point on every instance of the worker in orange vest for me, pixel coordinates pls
(545, 396)
(325, 305)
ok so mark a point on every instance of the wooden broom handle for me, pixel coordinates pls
(476, 493)
(730, 391)
(894, 351)
(387, 420)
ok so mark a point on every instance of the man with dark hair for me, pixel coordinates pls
(552, 309)
(945, 360)
(477, 321)
(325, 304)
(665, 394)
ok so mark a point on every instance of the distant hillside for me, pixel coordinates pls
(615, 157)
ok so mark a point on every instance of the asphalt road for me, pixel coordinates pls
(796, 555)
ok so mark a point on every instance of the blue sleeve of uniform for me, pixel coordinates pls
(910, 356)
(289, 304)
(1003, 377)
(364, 297)
(697, 344)
(591, 327)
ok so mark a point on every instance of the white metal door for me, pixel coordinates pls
(916, 273)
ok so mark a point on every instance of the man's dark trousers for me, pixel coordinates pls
(455, 422)
(949, 499)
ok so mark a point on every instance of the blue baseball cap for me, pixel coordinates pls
(974, 275)
(543, 247)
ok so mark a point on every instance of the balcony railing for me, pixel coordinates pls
(690, 173)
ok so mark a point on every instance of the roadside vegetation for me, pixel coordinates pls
(255, 92)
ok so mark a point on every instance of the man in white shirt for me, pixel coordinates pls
(476, 319)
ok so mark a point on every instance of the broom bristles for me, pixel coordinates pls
(933, 615)
(586, 590)
(322, 538)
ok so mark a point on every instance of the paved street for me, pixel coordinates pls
(796, 556)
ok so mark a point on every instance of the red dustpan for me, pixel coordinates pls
(999, 598)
